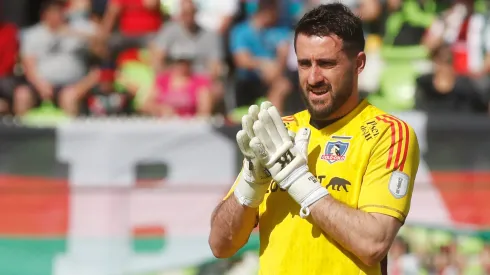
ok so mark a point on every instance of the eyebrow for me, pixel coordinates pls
(322, 60)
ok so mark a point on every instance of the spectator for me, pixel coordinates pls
(444, 263)
(369, 10)
(260, 51)
(179, 91)
(400, 260)
(8, 57)
(467, 33)
(103, 100)
(186, 34)
(137, 22)
(54, 61)
(212, 15)
(289, 11)
(445, 91)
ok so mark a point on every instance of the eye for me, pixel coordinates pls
(304, 63)
(326, 63)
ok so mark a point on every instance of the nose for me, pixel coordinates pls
(315, 75)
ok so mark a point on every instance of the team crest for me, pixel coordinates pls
(335, 151)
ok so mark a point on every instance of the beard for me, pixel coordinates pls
(322, 109)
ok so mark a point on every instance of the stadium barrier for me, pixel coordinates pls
(134, 196)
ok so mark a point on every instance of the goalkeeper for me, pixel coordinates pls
(329, 187)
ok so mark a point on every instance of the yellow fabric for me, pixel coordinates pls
(372, 146)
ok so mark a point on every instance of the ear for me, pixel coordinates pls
(360, 62)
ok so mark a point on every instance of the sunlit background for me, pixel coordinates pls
(119, 117)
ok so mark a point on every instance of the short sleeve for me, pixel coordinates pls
(238, 39)
(28, 46)
(388, 182)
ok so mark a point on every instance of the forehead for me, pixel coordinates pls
(318, 46)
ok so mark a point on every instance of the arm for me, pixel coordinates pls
(88, 82)
(384, 201)
(215, 56)
(241, 54)
(110, 17)
(33, 77)
(159, 46)
(367, 235)
(204, 102)
(370, 10)
(282, 54)
(231, 226)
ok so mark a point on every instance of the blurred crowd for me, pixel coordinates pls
(205, 57)
(415, 251)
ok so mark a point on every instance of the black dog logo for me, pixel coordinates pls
(337, 183)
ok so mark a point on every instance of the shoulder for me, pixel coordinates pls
(378, 126)
(171, 27)
(294, 122)
(35, 30)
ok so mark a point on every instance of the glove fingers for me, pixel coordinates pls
(291, 134)
(247, 125)
(302, 140)
(265, 105)
(259, 150)
(243, 141)
(253, 112)
(264, 136)
(279, 124)
(270, 127)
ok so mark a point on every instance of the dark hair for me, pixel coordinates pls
(335, 19)
(48, 4)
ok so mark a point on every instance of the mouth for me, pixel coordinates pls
(318, 93)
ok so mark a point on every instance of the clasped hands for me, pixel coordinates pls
(273, 153)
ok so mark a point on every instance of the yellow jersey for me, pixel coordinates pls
(368, 160)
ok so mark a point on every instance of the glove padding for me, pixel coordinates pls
(286, 161)
(255, 178)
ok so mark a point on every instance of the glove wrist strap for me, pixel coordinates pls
(306, 190)
(250, 194)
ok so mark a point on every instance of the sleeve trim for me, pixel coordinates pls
(384, 207)
(398, 128)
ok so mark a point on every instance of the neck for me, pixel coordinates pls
(346, 108)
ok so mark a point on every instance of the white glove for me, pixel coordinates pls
(255, 178)
(287, 162)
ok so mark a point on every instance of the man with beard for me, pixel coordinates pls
(332, 201)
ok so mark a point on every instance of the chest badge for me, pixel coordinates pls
(336, 150)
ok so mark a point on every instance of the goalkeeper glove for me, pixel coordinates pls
(286, 161)
(255, 178)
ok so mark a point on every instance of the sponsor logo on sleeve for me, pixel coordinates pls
(398, 185)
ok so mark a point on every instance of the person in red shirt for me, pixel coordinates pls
(137, 22)
(8, 57)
